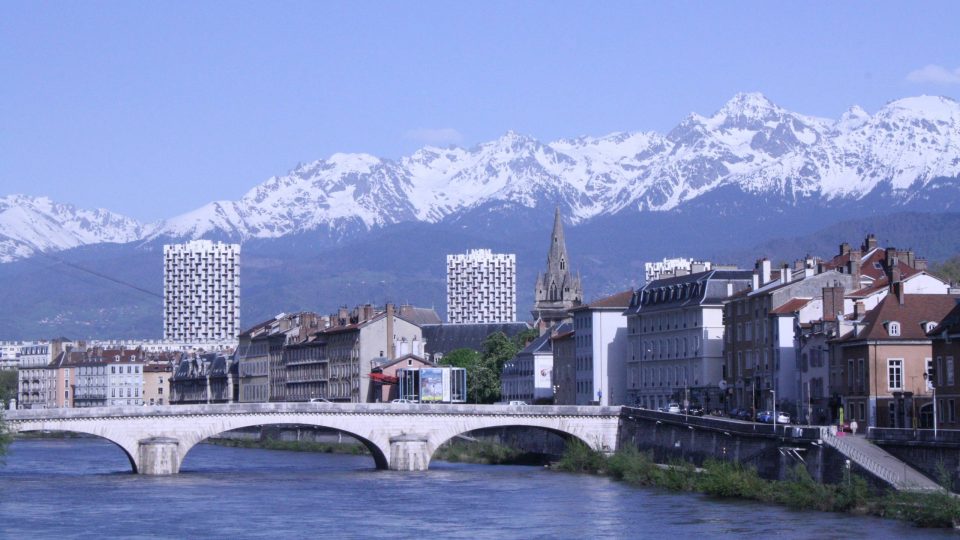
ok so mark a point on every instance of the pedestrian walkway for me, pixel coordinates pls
(879, 462)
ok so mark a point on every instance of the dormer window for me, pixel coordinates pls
(928, 326)
(893, 329)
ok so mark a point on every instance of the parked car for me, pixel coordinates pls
(320, 400)
(673, 408)
(694, 410)
(783, 418)
(402, 400)
(765, 417)
(517, 403)
(744, 414)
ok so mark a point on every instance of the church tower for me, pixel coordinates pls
(557, 290)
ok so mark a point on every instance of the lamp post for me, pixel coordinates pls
(774, 392)
(929, 377)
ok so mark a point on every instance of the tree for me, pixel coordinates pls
(483, 385)
(497, 350)
(524, 338)
(8, 389)
(948, 269)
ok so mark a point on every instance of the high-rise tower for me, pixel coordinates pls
(481, 287)
(201, 291)
(557, 290)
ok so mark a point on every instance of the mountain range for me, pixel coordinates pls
(714, 186)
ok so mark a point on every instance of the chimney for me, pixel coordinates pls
(785, 274)
(729, 289)
(844, 248)
(832, 303)
(896, 286)
(891, 257)
(756, 281)
(920, 264)
(859, 310)
(853, 267)
(765, 270)
(391, 347)
(869, 243)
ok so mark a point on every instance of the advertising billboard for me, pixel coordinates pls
(431, 385)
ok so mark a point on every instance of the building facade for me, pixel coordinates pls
(557, 291)
(600, 349)
(528, 376)
(885, 361)
(668, 268)
(675, 332)
(944, 382)
(481, 287)
(201, 291)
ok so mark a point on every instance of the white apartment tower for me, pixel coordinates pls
(481, 287)
(201, 291)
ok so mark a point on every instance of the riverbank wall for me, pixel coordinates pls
(773, 452)
(934, 456)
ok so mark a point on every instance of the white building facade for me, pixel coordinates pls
(481, 287)
(201, 292)
(600, 348)
(674, 267)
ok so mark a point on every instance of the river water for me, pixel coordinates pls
(83, 488)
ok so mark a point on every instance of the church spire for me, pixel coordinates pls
(557, 257)
(557, 290)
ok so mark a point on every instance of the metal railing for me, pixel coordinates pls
(864, 460)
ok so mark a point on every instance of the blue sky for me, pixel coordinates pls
(151, 109)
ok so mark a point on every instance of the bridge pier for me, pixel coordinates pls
(158, 456)
(409, 452)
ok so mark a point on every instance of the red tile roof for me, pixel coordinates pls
(791, 306)
(915, 310)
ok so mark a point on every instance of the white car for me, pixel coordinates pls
(783, 418)
(673, 408)
(320, 400)
(517, 403)
(401, 400)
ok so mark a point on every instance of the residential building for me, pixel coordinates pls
(884, 359)
(36, 385)
(120, 382)
(260, 354)
(156, 382)
(481, 287)
(10, 353)
(675, 332)
(557, 290)
(760, 322)
(205, 378)
(565, 367)
(668, 268)
(356, 342)
(528, 376)
(945, 379)
(307, 369)
(600, 348)
(201, 291)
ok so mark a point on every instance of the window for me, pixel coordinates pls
(895, 373)
(949, 371)
(893, 329)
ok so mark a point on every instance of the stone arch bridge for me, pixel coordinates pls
(399, 436)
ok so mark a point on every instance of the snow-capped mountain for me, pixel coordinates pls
(36, 224)
(750, 144)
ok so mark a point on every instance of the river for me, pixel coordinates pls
(82, 488)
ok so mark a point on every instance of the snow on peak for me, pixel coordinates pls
(750, 144)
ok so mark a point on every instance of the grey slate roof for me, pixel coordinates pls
(704, 288)
(444, 338)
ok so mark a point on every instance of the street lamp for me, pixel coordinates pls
(774, 392)
(929, 377)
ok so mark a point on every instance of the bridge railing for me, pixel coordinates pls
(715, 423)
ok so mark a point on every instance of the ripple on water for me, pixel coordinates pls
(82, 488)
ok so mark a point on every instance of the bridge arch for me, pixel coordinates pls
(379, 456)
(550, 426)
(129, 450)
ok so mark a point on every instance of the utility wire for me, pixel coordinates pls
(102, 275)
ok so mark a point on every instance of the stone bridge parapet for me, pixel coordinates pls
(399, 436)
